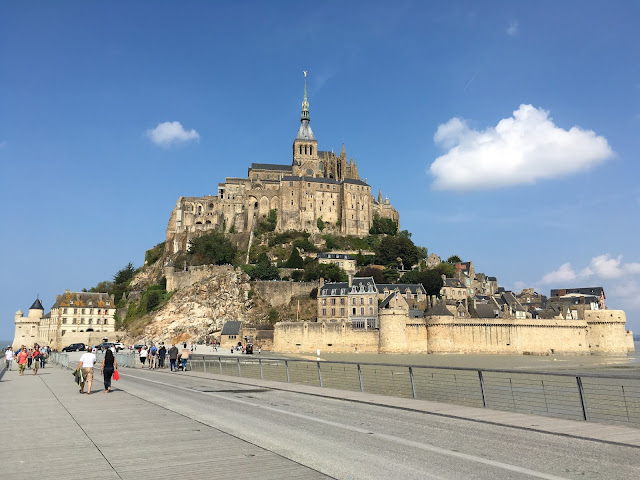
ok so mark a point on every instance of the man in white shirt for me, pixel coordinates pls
(8, 357)
(87, 361)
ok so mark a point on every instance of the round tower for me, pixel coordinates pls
(393, 316)
(26, 330)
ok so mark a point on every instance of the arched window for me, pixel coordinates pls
(310, 150)
(300, 149)
(305, 149)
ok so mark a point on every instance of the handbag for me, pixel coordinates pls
(116, 375)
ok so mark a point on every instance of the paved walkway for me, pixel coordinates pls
(617, 434)
(56, 433)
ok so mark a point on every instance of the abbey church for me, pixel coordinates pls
(317, 185)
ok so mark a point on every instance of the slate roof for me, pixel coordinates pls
(386, 301)
(271, 166)
(453, 282)
(413, 287)
(483, 310)
(438, 310)
(37, 305)
(336, 256)
(341, 287)
(305, 132)
(559, 292)
(83, 299)
(231, 328)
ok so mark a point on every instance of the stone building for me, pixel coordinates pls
(75, 317)
(343, 260)
(317, 185)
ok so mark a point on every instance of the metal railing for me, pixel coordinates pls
(606, 399)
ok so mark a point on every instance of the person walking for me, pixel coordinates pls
(173, 357)
(143, 355)
(162, 353)
(87, 361)
(29, 358)
(8, 358)
(23, 356)
(108, 366)
(36, 359)
(43, 356)
(184, 356)
(153, 357)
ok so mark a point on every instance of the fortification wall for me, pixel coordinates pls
(606, 331)
(280, 293)
(417, 336)
(89, 338)
(338, 337)
(489, 336)
(177, 279)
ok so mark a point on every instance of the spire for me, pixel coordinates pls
(380, 196)
(305, 103)
(305, 132)
(37, 305)
(343, 154)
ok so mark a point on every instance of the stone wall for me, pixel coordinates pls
(280, 293)
(336, 337)
(89, 338)
(606, 331)
(177, 278)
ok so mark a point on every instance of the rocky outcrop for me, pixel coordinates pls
(195, 312)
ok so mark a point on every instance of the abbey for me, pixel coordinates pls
(317, 185)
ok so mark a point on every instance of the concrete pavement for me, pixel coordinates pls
(52, 431)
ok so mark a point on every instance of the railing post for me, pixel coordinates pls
(204, 365)
(413, 385)
(286, 366)
(360, 379)
(484, 397)
(585, 414)
(319, 374)
(261, 372)
(220, 362)
(239, 371)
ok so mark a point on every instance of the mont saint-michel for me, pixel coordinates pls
(301, 256)
(317, 185)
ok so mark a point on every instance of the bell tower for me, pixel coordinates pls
(305, 146)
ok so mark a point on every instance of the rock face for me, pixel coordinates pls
(194, 312)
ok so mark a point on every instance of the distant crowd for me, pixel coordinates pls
(31, 358)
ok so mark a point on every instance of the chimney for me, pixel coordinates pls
(321, 282)
(350, 279)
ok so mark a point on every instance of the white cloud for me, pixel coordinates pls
(512, 29)
(518, 150)
(170, 133)
(564, 274)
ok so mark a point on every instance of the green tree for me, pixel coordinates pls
(454, 259)
(320, 224)
(124, 275)
(383, 226)
(445, 268)
(295, 260)
(212, 248)
(430, 280)
(376, 273)
(392, 248)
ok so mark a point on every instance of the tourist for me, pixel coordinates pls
(162, 353)
(8, 357)
(29, 357)
(259, 350)
(143, 355)
(173, 356)
(23, 356)
(109, 365)
(184, 356)
(36, 359)
(153, 352)
(87, 361)
(43, 356)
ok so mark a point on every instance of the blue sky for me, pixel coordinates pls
(504, 132)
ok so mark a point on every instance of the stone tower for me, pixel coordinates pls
(393, 325)
(27, 328)
(306, 162)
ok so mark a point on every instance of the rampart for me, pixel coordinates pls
(279, 293)
(336, 337)
(606, 331)
(177, 279)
